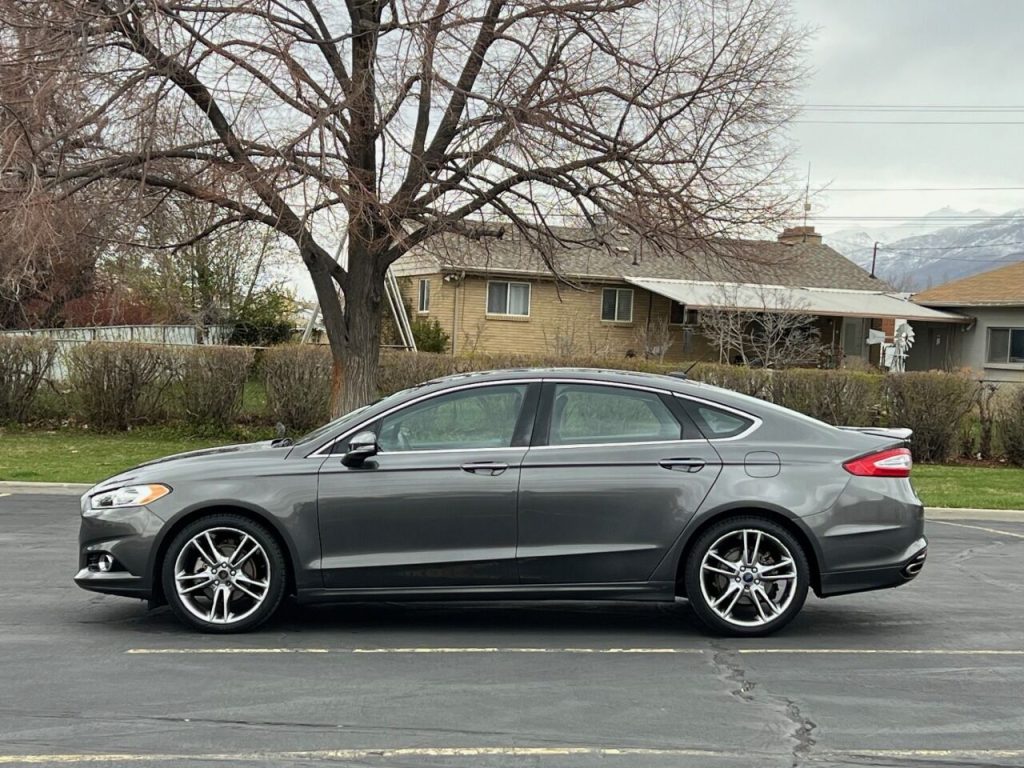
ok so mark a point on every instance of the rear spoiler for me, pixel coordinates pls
(895, 433)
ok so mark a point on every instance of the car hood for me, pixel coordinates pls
(170, 463)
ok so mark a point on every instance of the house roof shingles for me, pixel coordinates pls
(808, 264)
(1002, 287)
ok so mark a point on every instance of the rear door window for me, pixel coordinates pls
(585, 414)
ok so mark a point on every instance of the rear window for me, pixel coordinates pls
(717, 423)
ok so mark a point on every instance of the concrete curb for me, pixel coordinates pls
(956, 513)
(65, 489)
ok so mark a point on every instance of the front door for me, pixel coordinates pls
(436, 507)
(615, 475)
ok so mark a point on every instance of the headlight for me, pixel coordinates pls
(129, 496)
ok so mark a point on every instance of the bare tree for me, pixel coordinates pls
(48, 245)
(398, 120)
(185, 273)
(655, 337)
(761, 325)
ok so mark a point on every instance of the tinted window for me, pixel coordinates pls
(716, 423)
(484, 417)
(586, 413)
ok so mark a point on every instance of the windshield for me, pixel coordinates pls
(319, 432)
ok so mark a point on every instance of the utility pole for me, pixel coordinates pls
(874, 255)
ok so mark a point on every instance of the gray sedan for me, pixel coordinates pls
(525, 484)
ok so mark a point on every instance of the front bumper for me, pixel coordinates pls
(127, 534)
(863, 580)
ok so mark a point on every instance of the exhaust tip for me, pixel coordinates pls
(911, 569)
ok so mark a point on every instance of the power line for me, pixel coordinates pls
(921, 189)
(918, 218)
(948, 247)
(908, 122)
(916, 107)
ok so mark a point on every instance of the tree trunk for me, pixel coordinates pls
(353, 332)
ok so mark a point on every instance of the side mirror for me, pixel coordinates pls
(362, 446)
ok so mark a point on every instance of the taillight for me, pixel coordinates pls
(893, 462)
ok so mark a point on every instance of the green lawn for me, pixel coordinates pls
(941, 485)
(79, 456)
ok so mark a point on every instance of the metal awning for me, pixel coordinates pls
(779, 298)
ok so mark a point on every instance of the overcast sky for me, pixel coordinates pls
(913, 52)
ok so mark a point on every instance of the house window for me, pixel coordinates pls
(505, 298)
(680, 315)
(617, 305)
(424, 297)
(1005, 345)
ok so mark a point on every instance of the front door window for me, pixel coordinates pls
(482, 417)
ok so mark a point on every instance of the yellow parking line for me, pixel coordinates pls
(455, 649)
(956, 754)
(591, 651)
(491, 751)
(890, 651)
(201, 651)
(978, 528)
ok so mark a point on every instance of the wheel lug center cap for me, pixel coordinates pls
(223, 575)
(748, 577)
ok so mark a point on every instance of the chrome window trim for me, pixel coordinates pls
(616, 445)
(755, 421)
(324, 451)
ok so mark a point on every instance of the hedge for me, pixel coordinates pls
(118, 385)
(24, 362)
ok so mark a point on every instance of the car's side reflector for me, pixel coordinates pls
(892, 462)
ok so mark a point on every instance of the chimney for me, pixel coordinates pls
(797, 235)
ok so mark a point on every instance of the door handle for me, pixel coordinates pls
(485, 467)
(683, 465)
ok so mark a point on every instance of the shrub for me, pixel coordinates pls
(24, 363)
(932, 404)
(755, 382)
(840, 397)
(1011, 426)
(401, 370)
(298, 382)
(429, 335)
(119, 384)
(211, 382)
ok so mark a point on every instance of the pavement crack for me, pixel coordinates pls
(799, 727)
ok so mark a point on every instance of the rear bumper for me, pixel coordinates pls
(864, 580)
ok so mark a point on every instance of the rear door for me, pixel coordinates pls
(613, 476)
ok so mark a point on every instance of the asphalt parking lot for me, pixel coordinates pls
(931, 674)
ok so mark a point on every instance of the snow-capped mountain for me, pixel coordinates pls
(932, 253)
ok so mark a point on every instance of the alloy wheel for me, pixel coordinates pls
(222, 575)
(748, 577)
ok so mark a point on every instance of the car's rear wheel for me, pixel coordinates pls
(224, 573)
(746, 576)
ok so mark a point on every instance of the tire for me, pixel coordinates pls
(233, 596)
(735, 597)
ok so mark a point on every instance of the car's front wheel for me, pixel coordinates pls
(224, 573)
(746, 576)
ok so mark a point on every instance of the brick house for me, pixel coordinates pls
(497, 294)
(990, 341)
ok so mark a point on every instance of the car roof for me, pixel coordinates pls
(664, 381)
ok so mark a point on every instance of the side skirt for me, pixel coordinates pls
(653, 591)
